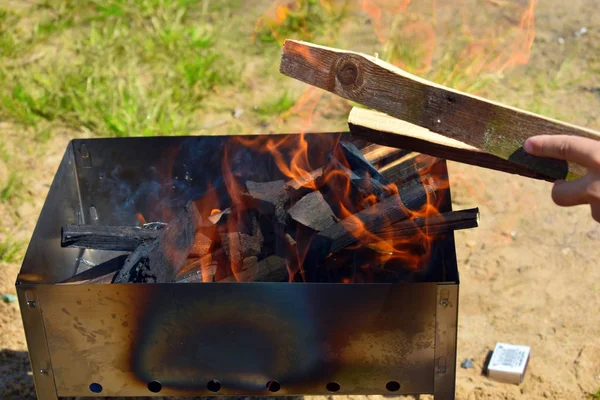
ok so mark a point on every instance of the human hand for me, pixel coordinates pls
(580, 150)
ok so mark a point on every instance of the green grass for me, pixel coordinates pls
(124, 68)
(452, 68)
(595, 396)
(12, 188)
(276, 106)
(11, 182)
(10, 250)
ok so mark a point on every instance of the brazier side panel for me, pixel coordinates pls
(303, 336)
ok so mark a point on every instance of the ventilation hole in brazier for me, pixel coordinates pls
(213, 386)
(95, 387)
(273, 386)
(155, 386)
(333, 387)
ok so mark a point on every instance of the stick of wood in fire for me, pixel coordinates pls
(488, 126)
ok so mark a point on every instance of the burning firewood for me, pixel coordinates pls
(121, 238)
(362, 175)
(275, 268)
(488, 126)
(116, 238)
(353, 228)
(436, 224)
(160, 260)
(402, 171)
(128, 238)
(373, 219)
(260, 237)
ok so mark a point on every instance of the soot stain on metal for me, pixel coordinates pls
(242, 341)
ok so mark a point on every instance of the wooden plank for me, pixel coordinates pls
(489, 126)
(381, 128)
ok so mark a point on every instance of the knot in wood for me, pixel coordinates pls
(347, 73)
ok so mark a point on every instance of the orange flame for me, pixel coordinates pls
(376, 10)
(412, 45)
(410, 40)
(521, 48)
(140, 218)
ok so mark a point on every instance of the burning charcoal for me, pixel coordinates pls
(122, 238)
(249, 262)
(197, 270)
(220, 217)
(137, 267)
(363, 183)
(192, 276)
(116, 238)
(359, 164)
(101, 273)
(201, 246)
(313, 211)
(154, 225)
(248, 241)
(306, 180)
(373, 219)
(270, 269)
(271, 192)
(160, 260)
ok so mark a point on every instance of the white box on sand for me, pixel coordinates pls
(508, 363)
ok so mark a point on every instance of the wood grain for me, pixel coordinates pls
(383, 129)
(486, 125)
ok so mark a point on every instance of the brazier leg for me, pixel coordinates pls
(39, 357)
(445, 342)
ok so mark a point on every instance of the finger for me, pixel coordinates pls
(572, 193)
(583, 151)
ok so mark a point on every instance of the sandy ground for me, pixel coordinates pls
(529, 275)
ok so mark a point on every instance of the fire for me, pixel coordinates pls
(489, 49)
(304, 170)
(140, 218)
(412, 36)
